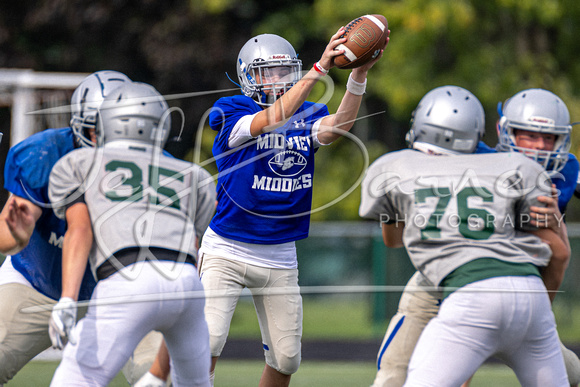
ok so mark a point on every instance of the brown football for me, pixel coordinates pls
(366, 37)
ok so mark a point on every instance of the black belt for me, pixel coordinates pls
(131, 255)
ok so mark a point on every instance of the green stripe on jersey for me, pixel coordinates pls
(483, 268)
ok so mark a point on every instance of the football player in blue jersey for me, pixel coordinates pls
(535, 122)
(264, 151)
(31, 235)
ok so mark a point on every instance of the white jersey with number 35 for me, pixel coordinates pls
(169, 201)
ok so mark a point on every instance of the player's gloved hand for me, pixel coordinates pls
(62, 321)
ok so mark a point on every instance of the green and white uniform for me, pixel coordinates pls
(132, 194)
(461, 213)
(143, 205)
(465, 219)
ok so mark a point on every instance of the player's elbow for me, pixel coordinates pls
(561, 254)
(561, 258)
(393, 234)
(394, 244)
(13, 248)
(10, 245)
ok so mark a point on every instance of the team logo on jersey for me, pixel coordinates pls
(299, 124)
(287, 163)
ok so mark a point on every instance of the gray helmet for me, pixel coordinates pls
(136, 112)
(87, 99)
(260, 55)
(448, 120)
(540, 111)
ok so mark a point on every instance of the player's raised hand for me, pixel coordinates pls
(62, 321)
(367, 66)
(327, 59)
(21, 220)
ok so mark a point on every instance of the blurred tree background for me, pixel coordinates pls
(494, 48)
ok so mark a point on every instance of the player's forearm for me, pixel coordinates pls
(75, 251)
(563, 233)
(285, 106)
(9, 245)
(393, 234)
(553, 274)
(76, 248)
(333, 127)
(343, 120)
(288, 104)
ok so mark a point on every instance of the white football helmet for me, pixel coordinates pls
(267, 62)
(540, 111)
(134, 111)
(87, 99)
(447, 120)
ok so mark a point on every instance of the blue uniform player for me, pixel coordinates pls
(564, 179)
(264, 151)
(544, 139)
(31, 235)
(536, 123)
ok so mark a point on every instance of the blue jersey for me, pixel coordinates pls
(26, 174)
(565, 180)
(264, 188)
(482, 147)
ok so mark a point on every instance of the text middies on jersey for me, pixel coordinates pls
(279, 141)
(288, 164)
(282, 184)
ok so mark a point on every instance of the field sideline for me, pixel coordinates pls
(242, 373)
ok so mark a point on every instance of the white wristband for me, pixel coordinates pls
(355, 87)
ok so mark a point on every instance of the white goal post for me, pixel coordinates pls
(26, 91)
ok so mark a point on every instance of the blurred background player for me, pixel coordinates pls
(535, 122)
(31, 235)
(136, 215)
(264, 152)
(471, 237)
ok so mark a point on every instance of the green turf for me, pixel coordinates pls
(350, 318)
(38, 374)
(324, 318)
(236, 373)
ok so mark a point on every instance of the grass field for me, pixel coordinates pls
(235, 373)
(323, 319)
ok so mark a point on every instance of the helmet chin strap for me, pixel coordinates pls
(264, 99)
(271, 98)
